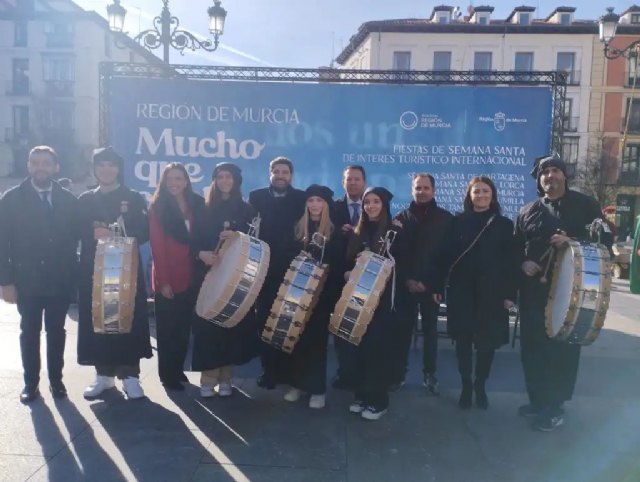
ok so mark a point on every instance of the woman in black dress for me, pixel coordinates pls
(112, 355)
(306, 368)
(373, 369)
(479, 268)
(217, 349)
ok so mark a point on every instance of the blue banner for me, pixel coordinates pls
(452, 132)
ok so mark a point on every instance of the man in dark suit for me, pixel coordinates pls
(426, 228)
(280, 206)
(347, 212)
(38, 258)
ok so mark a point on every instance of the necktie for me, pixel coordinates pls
(44, 196)
(355, 213)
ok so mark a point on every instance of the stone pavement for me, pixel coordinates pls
(255, 436)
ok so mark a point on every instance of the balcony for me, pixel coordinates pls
(570, 123)
(17, 138)
(483, 75)
(60, 40)
(59, 88)
(18, 87)
(573, 76)
(522, 75)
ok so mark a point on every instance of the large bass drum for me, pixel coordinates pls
(115, 282)
(296, 299)
(231, 286)
(360, 296)
(580, 291)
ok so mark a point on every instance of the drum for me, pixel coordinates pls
(297, 296)
(580, 291)
(115, 282)
(360, 296)
(231, 286)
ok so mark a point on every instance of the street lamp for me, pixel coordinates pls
(608, 26)
(165, 32)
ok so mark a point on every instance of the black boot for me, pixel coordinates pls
(464, 402)
(481, 395)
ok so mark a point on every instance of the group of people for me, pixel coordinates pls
(476, 259)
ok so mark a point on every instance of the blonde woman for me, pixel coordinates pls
(305, 369)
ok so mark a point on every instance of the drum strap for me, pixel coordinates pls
(464, 253)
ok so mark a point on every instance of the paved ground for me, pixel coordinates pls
(255, 436)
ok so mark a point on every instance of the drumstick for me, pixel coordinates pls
(226, 226)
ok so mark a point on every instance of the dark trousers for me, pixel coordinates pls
(173, 327)
(403, 334)
(347, 371)
(464, 354)
(120, 371)
(31, 309)
(550, 367)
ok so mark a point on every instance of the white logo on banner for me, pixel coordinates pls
(408, 120)
(499, 121)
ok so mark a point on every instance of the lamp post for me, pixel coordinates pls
(166, 32)
(608, 26)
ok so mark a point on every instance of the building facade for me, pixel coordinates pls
(50, 53)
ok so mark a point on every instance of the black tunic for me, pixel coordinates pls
(306, 367)
(99, 349)
(550, 367)
(215, 346)
(482, 279)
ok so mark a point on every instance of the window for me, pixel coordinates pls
(442, 61)
(630, 167)
(569, 121)
(524, 18)
(401, 61)
(565, 19)
(524, 61)
(566, 63)
(20, 82)
(633, 115)
(633, 74)
(483, 20)
(58, 69)
(635, 18)
(443, 18)
(20, 34)
(482, 63)
(59, 117)
(59, 34)
(20, 121)
(570, 149)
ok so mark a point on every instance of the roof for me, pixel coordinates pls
(560, 10)
(521, 8)
(483, 8)
(632, 9)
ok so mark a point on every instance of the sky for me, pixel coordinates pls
(306, 33)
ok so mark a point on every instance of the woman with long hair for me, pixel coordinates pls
(478, 271)
(306, 368)
(175, 209)
(373, 369)
(217, 349)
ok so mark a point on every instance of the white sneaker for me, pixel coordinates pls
(317, 401)
(373, 413)
(225, 389)
(293, 395)
(100, 384)
(207, 392)
(132, 388)
(357, 407)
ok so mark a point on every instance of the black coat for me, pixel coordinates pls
(482, 279)
(100, 349)
(38, 247)
(215, 346)
(424, 241)
(279, 216)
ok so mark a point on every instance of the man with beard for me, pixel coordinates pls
(279, 206)
(38, 246)
(560, 214)
(347, 214)
(426, 226)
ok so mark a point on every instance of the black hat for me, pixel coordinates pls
(235, 171)
(544, 162)
(108, 154)
(321, 191)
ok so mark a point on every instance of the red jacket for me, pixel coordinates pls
(172, 261)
